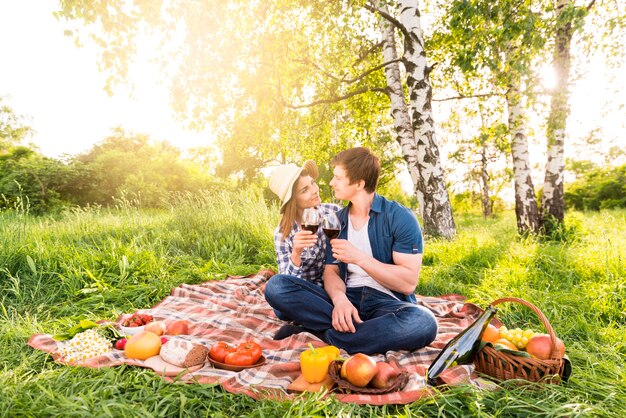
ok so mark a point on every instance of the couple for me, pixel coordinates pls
(357, 291)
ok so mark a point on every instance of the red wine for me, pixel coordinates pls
(310, 227)
(331, 233)
(461, 349)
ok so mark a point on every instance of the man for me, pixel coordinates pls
(368, 303)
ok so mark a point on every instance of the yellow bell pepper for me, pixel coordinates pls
(332, 351)
(314, 364)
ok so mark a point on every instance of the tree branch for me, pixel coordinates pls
(590, 5)
(463, 96)
(337, 98)
(371, 70)
(388, 17)
(317, 67)
(364, 54)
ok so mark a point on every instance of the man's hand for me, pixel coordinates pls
(345, 252)
(344, 315)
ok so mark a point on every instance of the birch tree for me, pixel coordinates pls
(414, 123)
(493, 46)
(567, 20)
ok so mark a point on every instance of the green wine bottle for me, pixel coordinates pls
(461, 349)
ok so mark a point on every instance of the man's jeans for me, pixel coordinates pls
(388, 323)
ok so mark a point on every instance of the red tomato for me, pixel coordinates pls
(219, 351)
(239, 358)
(251, 348)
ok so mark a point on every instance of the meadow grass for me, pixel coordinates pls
(97, 263)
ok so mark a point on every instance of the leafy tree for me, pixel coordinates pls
(301, 81)
(13, 131)
(131, 166)
(489, 48)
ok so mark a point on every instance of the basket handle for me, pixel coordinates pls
(542, 317)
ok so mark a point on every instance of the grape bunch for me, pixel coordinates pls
(517, 336)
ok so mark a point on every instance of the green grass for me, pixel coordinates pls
(98, 263)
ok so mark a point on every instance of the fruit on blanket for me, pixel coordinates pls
(143, 345)
(219, 350)
(360, 369)
(314, 364)
(120, 344)
(245, 354)
(332, 351)
(177, 327)
(491, 334)
(237, 358)
(158, 327)
(137, 320)
(385, 373)
(540, 346)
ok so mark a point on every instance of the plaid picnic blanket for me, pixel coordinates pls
(235, 309)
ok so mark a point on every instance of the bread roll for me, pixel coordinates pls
(183, 353)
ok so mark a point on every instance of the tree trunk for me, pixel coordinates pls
(399, 109)
(553, 204)
(431, 188)
(526, 209)
(484, 178)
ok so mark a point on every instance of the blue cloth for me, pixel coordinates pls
(310, 269)
(388, 323)
(391, 227)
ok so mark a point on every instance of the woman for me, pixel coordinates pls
(297, 190)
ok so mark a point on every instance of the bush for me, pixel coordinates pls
(599, 188)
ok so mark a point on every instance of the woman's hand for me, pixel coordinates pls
(345, 315)
(303, 239)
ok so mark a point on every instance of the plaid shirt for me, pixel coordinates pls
(311, 269)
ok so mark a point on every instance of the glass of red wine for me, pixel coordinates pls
(310, 222)
(331, 225)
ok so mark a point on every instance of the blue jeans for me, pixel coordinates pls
(388, 323)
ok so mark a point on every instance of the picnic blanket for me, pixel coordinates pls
(235, 309)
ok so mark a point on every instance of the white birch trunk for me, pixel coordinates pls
(434, 201)
(399, 109)
(553, 204)
(526, 209)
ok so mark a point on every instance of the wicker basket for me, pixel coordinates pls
(334, 370)
(503, 366)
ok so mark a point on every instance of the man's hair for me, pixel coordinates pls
(360, 164)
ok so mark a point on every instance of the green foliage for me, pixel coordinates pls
(598, 188)
(97, 263)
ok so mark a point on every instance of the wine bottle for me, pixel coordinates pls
(461, 349)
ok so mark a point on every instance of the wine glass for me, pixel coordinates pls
(331, 225)
(310, 222)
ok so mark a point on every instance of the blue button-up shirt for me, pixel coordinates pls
(391, 227)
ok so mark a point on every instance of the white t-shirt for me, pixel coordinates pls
(357, 277)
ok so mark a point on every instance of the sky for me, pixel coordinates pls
(58, 88)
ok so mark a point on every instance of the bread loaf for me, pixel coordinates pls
(183, 353)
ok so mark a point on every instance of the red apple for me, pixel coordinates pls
(540, 346)
(178, 327)
(157, 327)
(385, 373)
(359, 369)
